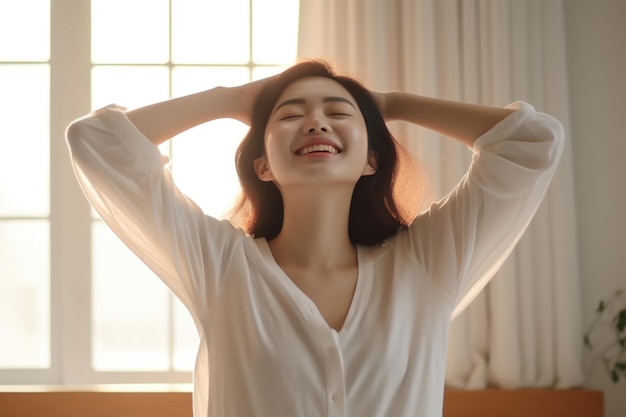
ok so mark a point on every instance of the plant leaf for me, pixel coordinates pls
(620, 319)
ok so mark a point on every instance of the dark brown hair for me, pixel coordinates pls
(374, 213)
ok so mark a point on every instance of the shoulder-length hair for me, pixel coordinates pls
(375, 213)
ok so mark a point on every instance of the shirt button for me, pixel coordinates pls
(336, 397)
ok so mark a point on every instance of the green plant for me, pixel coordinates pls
(614, 354)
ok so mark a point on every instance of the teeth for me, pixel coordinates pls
(317, 148)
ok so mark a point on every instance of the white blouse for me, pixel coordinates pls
(265, 348)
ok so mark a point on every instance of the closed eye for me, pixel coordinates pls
(339, 109)
(290, 116)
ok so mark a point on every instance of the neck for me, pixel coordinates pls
(315, 228)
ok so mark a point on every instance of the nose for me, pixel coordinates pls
(315, 124)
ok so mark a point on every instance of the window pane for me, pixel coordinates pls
(203, 159)
(275, 31)
(204, 165)
(130, 31)
(133, 313)
(130, 309)
(29, 22)
(24, 172)
(211, 32)
(185, 339)
(24, 294)
(129, 86)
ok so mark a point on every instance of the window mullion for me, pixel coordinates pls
(70, 218)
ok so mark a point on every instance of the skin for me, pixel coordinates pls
(317, 190)
(313, 247)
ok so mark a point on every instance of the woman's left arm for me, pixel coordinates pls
(461, 121)
(462, 239)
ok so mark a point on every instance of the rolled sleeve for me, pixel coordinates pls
(463, 239)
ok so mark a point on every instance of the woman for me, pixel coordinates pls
(330, 299)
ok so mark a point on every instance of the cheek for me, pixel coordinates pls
(357, 136)
(275, 135)
(274, 151)
(359, 129)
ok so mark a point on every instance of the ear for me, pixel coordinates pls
(372, 164)
(262, 169)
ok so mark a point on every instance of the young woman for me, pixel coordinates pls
(329, 299)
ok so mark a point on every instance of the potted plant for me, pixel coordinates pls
(611, 316)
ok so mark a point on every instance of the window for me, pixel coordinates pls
(77, 307)
(24, 191)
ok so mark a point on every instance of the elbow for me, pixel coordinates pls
(554, 140)
(80, 136)
(83, 130)
(76, 131)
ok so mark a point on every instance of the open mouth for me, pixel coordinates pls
(322, 148)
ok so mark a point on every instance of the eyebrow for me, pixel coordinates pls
(331, 99)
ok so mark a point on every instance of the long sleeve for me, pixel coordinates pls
(463, 239)
(122, 174)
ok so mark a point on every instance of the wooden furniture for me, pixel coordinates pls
(524, 403)
(27, 401)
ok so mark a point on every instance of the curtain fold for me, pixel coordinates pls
(524, 329)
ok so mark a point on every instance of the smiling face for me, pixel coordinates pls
(316, 134)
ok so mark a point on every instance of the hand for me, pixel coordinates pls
(381, 101)
(245, 99)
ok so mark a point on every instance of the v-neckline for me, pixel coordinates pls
(305, 301)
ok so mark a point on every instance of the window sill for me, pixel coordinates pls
(97, 388)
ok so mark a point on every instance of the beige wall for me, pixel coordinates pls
(596, 48)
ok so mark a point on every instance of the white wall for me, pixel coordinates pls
(596, 47)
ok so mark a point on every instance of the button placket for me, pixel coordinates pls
(335, 378)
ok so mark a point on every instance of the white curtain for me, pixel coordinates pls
(524, 330)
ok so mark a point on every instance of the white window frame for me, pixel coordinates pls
(71, 221)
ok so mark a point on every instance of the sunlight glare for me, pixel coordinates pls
(275, 29)
(207, 153)
(24, 187)
(128, 320)
(210, 32)
(130, 32)
(129, 86)
(24, 29)
(210, 46)
(25, 293)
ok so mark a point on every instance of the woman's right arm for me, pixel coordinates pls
(120, 171)
(161, 121)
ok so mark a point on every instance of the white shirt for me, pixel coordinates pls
(265, 348)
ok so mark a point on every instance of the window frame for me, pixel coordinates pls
(70, 217)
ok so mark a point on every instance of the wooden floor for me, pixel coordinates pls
(49, 402)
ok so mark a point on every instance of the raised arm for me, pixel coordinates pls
(461, 121)
(462, 239)
(164, 120)
(121, 172)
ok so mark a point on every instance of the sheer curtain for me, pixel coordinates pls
(524, 330)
